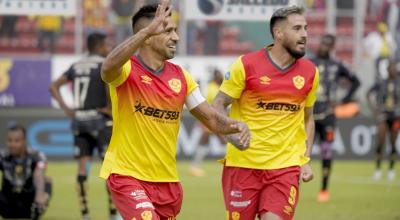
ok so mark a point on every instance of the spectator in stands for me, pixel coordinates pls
(25, 190)
(379, 45)
(49, 28)
(7, 26)
(124, 10)
(95, 16)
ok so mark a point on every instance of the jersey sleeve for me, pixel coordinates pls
(70, 73)
(234, 80)
(191, 84)
(312, 95)
(40, 160)
(125, 71)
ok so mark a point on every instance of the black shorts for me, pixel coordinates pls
(325, 128)
(19, 205)
(87, 142)
(391, 119)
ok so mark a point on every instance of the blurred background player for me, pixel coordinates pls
(148, 94)
(331, 71)
(386, 109)
(25, 191)
(203, 148)
(91, 116)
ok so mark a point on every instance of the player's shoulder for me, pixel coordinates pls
(173, 68)
(253, 58)
(306, 65)
(36, 154)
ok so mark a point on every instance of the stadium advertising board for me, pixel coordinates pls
(38, 7)
(249, 10)
(24, 82)
(48, 130)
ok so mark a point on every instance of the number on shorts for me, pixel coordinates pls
(292, 196)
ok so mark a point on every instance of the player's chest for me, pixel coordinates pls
(165, 85)
(293, 83)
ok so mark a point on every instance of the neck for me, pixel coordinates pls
(280, 56)
(151, 59)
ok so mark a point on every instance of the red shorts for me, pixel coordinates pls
(141, 200)
(249, 192)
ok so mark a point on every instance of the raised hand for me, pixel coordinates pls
(158, 24)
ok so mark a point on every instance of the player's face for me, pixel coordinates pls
(16, 142)
(325, 49)
(165, 43)
(295, 35)
(104, 48)
(392, 70)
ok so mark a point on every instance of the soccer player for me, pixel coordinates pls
(148, 94)
(202, 149)
(25, 191)
(91, 116)
(272, 90)
(386, 109)
(331, 72)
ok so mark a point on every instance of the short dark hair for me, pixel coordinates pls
(17, 127)
(282, 14)
(94, 39)
(147, 11)
(328, 38)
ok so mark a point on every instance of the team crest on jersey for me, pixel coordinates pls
(175, 85)
(265, 80)
(298, 81)
(146, 215)
(146, 79)
(235, 216)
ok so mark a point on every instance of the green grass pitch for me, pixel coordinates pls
(354, 196)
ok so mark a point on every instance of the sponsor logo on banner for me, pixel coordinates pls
(38, 7)
(256, 10)
(25, 82)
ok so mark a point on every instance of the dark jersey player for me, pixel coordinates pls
(331, 71)
(386, 109)
(25, 191)
(91, 121)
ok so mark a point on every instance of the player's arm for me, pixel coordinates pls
(39, 182)
(221, 103)
(215, 121)
(309, 123)
(355, 83)
(55, 92)
(306, 171)
(112, 66)
(370, 101)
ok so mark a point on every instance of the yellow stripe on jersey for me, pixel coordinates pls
(191, 84)
(312, 96)
(236, 82)
(125, 71)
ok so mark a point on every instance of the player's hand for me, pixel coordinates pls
(306, 173)
(41, 200)
(242, 139)
(158, 24)
(105, 110)
(70, 113)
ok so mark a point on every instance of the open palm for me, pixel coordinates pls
(158, 24)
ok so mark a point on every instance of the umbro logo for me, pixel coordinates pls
(146, 79)
(265, 80)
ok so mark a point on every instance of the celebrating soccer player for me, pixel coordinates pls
(148, 94)
(273, 90)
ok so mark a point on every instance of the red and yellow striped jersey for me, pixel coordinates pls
(271, 101)
(146, 108)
